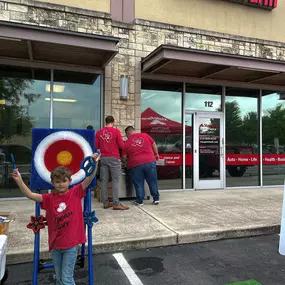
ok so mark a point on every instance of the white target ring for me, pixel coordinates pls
(53, 138)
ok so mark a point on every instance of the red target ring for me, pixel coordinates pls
(64, 153)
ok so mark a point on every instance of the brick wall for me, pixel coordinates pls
(137, 40)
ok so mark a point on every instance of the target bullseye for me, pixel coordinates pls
(64, 158)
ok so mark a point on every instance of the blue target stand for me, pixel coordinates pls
(38, 222)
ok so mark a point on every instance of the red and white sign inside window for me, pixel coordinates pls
(231, 159)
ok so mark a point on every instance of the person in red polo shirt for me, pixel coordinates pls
(142, 153)
(109, 141)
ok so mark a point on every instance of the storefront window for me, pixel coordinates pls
(242, 137)
(273, 138)
(25, 104)
(76, 100)
(161, 118)
(203, 98)
(22, 107)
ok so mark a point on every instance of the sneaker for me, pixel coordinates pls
(155, 202)
(120, 207)
(138, 204)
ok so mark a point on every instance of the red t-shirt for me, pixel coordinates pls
(65, 218)
(109, 141)
(139, 150)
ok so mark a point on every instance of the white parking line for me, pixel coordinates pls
(131, 275)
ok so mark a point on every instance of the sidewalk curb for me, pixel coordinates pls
(105, 247)
(167, 240)
(228, 234)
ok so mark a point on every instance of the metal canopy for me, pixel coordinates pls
(214, 68)
(43, 45)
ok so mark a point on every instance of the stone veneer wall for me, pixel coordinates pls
(136, 41)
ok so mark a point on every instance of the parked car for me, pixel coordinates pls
(23, 157)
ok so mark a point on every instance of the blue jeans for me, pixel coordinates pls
(141, 173)
(64, 262)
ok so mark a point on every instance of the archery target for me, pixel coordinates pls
(60, 148)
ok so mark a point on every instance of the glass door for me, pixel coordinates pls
(189, 123)
(209, 165)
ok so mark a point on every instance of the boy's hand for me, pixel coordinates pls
(95, 156)
(16, 175)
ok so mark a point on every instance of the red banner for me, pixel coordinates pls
(231, 159)
(176, 159)
(253, 159)
(242, 159)
(273, 159)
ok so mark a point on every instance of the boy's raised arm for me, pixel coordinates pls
(24, 188)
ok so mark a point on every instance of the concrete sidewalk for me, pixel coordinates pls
(181, 217)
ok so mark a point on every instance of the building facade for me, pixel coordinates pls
(204, 78)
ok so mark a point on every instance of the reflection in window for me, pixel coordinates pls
(189, 121)
(22, 93)
(273, 138)
(242, 137)
(76, 100)
(161, 119)
(25, 104)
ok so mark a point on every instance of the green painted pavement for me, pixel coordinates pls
(249, 282)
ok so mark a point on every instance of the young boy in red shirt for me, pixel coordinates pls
(64, 217)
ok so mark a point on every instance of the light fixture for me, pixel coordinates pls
(56, 88)
(2, 102)
(62, 100)
(124, 87)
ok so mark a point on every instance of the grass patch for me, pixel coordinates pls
(249, 282)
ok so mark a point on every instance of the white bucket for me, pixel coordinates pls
(3, 253)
